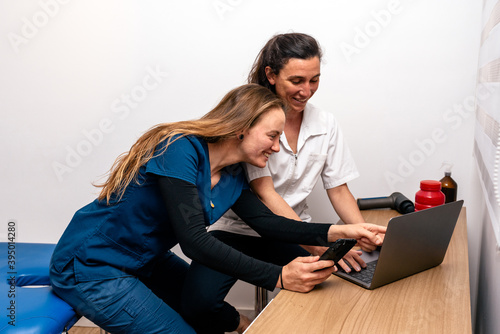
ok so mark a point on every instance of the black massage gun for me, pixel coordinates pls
(395, 201)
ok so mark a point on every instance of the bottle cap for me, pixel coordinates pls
(447, 167)
(430, 185)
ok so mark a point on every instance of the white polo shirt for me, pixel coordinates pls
(321, 152)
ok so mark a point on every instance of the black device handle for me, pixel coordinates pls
(395, 201)
(375, 203)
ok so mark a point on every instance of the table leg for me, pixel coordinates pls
(261, 299)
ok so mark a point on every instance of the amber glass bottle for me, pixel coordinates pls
(449, 187)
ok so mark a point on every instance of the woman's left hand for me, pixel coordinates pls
(367, 246)
(368, 234)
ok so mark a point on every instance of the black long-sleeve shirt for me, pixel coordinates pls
(186, 216)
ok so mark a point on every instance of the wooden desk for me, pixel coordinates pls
(434, 301)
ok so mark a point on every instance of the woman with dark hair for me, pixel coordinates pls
(113, 263)
(276, 54)
(311, 146)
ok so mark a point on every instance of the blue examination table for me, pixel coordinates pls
(27, 302)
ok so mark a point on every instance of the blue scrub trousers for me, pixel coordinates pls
(129, 304)
(203, 304)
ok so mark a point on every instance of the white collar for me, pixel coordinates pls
(313, 123)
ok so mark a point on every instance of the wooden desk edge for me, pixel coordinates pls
(460, 232)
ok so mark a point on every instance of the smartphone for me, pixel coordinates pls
(338, 250)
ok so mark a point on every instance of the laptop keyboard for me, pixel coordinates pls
(366, 274)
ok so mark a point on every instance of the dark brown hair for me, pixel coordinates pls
(278, 51)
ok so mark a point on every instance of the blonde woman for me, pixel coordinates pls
(113, 263)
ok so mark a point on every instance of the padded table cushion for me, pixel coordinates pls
(31, 262)
(35, 309)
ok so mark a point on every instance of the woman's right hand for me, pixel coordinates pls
(367, 233)
(304, 273)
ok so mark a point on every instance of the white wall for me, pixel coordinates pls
(81, 80)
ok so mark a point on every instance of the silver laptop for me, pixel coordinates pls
(414, 242)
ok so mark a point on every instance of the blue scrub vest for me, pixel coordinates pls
(129, 235)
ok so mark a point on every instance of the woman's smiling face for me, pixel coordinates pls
(262, 139)
(297, 81)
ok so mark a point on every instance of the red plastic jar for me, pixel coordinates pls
(429, 195)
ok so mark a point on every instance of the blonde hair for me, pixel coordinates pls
(238, 111)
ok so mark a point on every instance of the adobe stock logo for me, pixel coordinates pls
(453, 118)
(122, 106)
(372, 29)
(31, 27)
(224, 6)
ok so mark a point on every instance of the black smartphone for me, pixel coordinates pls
(337, 251)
